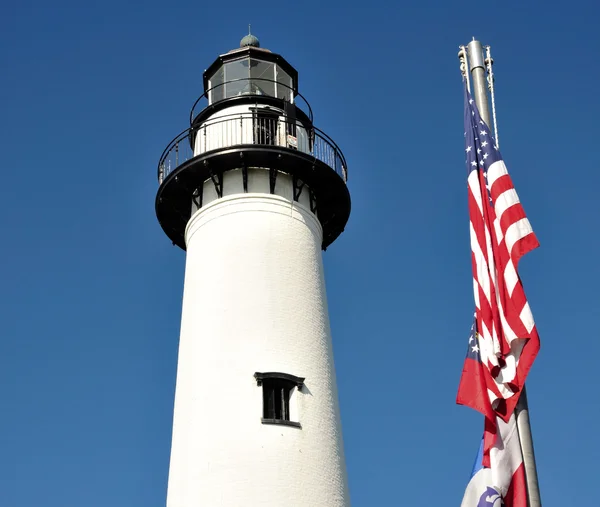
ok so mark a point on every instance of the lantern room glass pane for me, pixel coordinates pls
(284, 91)
(215, 84)
(263, 77)
(236, 78)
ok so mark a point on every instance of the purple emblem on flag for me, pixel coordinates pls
(491, 498)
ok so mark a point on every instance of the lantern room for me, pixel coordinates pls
(250, 70)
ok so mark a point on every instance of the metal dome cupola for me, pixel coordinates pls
(250, 40)
(251, 129)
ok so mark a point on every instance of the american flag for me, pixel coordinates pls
(500, 235)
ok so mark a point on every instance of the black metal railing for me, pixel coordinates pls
(281, 91)
(253, 129)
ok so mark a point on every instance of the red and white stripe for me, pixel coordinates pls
(500, 235)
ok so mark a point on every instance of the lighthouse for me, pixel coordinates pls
(253, 192)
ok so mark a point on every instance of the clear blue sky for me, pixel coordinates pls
(91, 287)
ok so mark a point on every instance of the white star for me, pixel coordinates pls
(472, 113)
(474, 348)
(482, 122)
(471, 339)
(473, 163)
(483, 132)
(484, 143)
(478, 151)
(485, 155)
(471, 101)
(469, 148)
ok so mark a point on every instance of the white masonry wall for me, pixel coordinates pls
(254, 301)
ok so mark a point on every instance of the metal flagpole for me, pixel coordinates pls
(477, 68)
(526, 440)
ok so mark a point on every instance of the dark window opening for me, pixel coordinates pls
(277, 389)
(276, 396)
(265, 127)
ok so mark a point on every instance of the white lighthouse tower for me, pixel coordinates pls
(253, 191)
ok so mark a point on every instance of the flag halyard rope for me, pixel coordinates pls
(489, 61)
